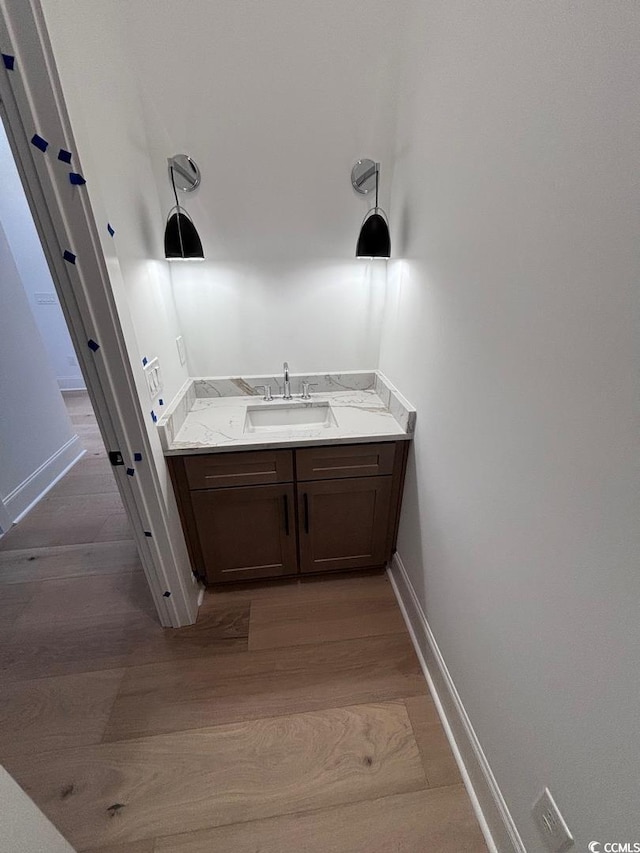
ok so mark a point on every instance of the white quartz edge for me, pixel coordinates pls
(283, 443)
(371, 408)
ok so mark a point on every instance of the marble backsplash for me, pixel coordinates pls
(319, 383)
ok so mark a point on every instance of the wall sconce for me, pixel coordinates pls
(374, 240)
(181, 240)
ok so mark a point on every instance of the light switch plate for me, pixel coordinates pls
(551, 824)
(154, 378)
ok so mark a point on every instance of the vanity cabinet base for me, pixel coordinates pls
(287, 512)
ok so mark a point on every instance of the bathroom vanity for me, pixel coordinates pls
(271, 488)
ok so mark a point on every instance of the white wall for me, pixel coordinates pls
(21, 234)
(250, 318)
(275, 102)
(23, 827)
(37, 441)
(512, 326)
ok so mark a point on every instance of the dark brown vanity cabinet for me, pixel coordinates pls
(268, 514)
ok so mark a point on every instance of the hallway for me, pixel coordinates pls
(293, 715)
(83, 508)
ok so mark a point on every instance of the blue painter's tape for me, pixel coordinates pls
(65, 156)
(144, 361)
(110, 229)
(69, 257)
(131, 471)
(76, 179)
(161, 401)
(39, 142)
(166, 594)
(9, 61)
(147, 533)
(93, 345)
(137, 457)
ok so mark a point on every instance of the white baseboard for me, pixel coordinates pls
(491, 809)
(71, 383)
(23, 498)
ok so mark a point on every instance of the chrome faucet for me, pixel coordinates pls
(287, 386)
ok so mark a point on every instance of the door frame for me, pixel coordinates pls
(32, 101)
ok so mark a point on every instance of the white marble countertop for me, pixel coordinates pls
(207, 416)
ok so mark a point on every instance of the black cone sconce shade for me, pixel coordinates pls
(374, 240)
(181, 239)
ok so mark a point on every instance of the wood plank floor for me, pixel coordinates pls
(292, 717)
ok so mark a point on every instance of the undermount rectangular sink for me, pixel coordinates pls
(278, 418)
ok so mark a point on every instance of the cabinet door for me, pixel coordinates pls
(343, 524)
(247, 532)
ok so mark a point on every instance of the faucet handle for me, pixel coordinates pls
(267, 392)
(305, 390)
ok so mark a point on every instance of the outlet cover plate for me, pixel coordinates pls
(551, 824)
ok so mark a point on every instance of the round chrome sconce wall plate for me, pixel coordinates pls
(186, 173)
(363, 176)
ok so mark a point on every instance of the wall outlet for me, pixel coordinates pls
(551, 824)
(154, 378)
(182, 354)
(45, 298)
